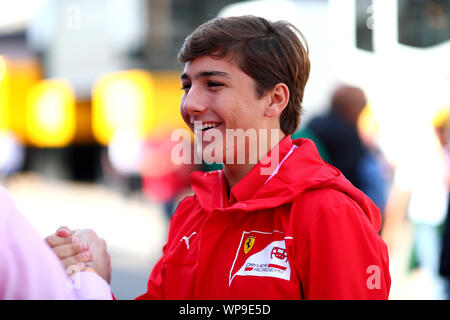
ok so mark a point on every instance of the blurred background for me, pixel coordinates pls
(89, 97)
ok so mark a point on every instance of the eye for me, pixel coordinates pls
(213, 84)
(186, 86)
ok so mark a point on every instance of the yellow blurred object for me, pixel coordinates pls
(441, 117)
(367, 122)
(50, 116)
(167, 103)
(83, 132)
(4, 94)
(122, 100)
(22, 75)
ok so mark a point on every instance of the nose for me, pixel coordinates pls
(192, 102)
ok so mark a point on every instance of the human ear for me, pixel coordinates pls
(279, 98)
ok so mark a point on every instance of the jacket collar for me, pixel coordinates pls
(261, 172)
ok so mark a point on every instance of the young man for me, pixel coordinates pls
(287, 227)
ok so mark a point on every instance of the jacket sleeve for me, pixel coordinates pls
(155, 284)
(340, 255)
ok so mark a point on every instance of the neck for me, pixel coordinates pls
(235, 172)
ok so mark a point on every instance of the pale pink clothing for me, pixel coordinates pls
(29, 269)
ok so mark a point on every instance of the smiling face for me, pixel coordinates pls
(221, 96)
(216, 91)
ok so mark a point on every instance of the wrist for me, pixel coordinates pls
(75, 268)
(90, 269)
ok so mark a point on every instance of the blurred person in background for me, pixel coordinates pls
(337, 131)
(287, 227)
(420, 194)
(30, 270)
(164, 181)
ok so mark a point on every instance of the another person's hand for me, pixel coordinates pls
(68, 247)
(81, 246)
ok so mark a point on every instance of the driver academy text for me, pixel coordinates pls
(227, 309)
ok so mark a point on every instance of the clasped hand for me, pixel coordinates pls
(81, 248)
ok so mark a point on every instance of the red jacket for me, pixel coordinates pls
(303, 233)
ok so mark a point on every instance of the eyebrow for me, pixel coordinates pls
(205, 74)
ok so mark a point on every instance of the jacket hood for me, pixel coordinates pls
(300, 170)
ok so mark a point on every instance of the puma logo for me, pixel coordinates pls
(186, 239)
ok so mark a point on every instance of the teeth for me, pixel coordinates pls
(200, 125)
(208, 125)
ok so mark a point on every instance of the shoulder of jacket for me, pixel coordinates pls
(185, 205)
(322, 198)
(188, 210)
(314, 204)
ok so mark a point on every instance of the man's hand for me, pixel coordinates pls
(101, 261)
(81, 246)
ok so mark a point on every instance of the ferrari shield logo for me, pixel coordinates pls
(267, 257)
(249, 242)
